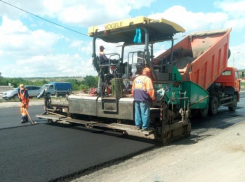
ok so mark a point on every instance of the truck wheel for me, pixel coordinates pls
(213, 106)
(204, 112)
(234, 105)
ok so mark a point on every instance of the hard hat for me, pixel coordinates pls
(21, 85)
(146, 69)
(102, 47)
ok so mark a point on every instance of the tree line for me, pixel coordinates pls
(77, 84)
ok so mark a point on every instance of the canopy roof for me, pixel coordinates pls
(125, 30)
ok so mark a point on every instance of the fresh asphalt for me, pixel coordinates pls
(11, 117)
(46, 152)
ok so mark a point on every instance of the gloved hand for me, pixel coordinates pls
(24, 105)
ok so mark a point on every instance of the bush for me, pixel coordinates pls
(86, 83)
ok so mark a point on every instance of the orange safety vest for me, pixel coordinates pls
(23, 99)
(143, 89)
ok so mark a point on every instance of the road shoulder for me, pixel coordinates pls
(17, 104)
(218, 158)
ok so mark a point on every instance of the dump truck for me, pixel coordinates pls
(202, 58)
(178, 92)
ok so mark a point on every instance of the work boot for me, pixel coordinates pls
(22, 119)
(26, 118)
(147, 131)
(138, 127)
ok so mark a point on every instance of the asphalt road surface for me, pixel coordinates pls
(11, 117)
(46, 152)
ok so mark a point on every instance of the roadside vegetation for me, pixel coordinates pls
(78, 83)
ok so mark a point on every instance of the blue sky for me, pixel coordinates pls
(31, 47)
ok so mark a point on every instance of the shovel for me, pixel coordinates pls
(32, 122)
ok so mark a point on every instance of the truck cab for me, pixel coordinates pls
(229, 80)
(49, 88)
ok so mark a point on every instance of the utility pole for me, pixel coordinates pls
(233, 57)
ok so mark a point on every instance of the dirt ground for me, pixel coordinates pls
(220, 157)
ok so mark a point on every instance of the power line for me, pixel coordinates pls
(55, 23)
(44, 19)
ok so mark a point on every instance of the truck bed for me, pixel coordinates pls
(201, 57)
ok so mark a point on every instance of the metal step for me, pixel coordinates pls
(126, 129)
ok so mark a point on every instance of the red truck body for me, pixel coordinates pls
(208, 55)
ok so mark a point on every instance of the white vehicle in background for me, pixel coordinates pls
(10, 94)
(33, 91)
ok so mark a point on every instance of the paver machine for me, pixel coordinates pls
(111, 105)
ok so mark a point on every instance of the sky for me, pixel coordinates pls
(32, 47)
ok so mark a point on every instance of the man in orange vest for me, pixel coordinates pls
(24, 98)
(144, 94)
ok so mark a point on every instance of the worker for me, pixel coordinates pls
(102, 56)
(105, 60)
(24, 98)
(144, 94)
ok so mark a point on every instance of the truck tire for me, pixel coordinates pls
(204, 112)
(213, 107)
(234, 105)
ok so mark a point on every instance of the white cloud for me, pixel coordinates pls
(95, 12)
(236, 24)
(50, 66)
(18, 40)
(26, 53)
(76, 43)
(237, 56)
(10, 26)
(36, 7)
(78, 12)
(53, 6)
(193, 21)
(235, 10)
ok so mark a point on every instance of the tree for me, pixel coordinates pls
(90, 81)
